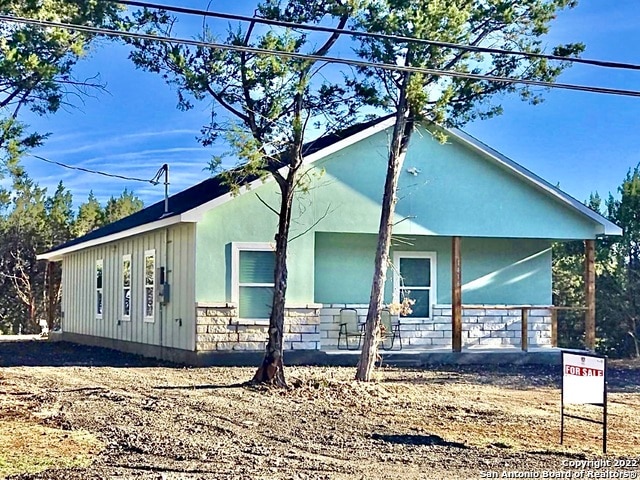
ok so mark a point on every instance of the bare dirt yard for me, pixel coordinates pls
(71, 412)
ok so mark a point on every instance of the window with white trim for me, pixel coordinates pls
(126, 287)
(415, 278)
(149, 285)
(253, 266)
(99, 280)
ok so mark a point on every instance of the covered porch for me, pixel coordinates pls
(470, 327)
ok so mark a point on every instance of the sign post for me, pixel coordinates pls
(584, 382)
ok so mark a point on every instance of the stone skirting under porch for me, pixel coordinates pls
(483, 326)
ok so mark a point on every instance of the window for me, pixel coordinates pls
(253, 266)
(149, 285)
(414, 278)
(126, 287)
(99, 297)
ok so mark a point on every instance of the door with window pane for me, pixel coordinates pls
(416, 282)
(255, 281)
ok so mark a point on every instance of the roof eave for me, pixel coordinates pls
(57, 254)
(612, 229)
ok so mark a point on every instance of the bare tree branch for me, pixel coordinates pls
(267, 205)
(324, 215)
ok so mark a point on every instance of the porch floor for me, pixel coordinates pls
(444, 356)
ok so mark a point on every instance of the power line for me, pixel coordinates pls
(383, 36)
(318, 58)
(154, 181)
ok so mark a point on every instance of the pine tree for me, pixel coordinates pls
(90, 216)
(123, 206)
(36, 66)
(439, 99)
(262, 106)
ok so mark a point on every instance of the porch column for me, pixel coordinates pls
(590, 294)
(456, 295)
(524, 330)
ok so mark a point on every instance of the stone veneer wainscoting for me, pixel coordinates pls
(218, 328)
(316, 327)
(482, 326)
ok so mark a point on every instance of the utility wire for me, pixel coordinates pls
(319, 58)
(153, 181)
(357, 33)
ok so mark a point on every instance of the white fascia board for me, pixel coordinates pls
(347, 142)
(57, 255)
(195, 214)
(608, 227)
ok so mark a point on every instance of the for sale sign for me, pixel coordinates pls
(583, 378)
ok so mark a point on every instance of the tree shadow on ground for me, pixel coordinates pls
(551, 453)
(202, 387)
(42, 353)
(520, 377)
(620, 379)
(410, 439)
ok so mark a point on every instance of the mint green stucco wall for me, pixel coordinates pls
(494, 271)
(344, 268)
(458, 192)
(246, 219)
(503, 271)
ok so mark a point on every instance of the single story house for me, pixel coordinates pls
(472, 245)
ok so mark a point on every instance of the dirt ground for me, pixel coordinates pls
(71, 412)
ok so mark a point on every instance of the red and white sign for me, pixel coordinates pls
(582, 379)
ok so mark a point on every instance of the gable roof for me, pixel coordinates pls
(189, 205)
(608, 227)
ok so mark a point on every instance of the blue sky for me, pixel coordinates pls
(583, 142)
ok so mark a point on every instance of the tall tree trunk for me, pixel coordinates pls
(271, 371)
(634, 337)
(399, 143)
(33, 316)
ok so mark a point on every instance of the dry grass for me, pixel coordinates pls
(28, 446)
(408, 420)
(520, 417)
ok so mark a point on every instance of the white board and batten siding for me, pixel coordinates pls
(174, 249)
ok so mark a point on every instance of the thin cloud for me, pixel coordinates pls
(141, 154)
(177, 131)
(113, 141)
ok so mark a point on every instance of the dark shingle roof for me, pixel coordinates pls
(202, 192)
